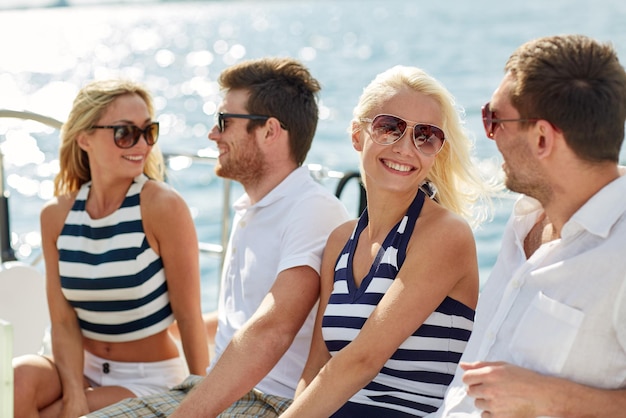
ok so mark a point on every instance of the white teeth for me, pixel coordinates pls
(134, 157)
(397, 167)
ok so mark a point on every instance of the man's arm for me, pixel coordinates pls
(505, 391)
(258, 346)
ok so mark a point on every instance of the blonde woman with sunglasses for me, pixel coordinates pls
(121, 258)
(399, 284)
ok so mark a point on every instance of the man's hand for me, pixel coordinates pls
(502, 390)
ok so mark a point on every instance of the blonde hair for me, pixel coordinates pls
(88, 107)
(457, 180)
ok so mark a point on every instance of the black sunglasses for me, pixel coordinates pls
(490, 122)
(126, 136)
(221, 117)
(388, 129)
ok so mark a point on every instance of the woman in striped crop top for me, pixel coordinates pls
(399, 284)
(121, 258)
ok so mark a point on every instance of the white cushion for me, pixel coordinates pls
(23, 303)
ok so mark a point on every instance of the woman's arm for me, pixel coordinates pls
(67, 345)
(167, 220)
(427, 276)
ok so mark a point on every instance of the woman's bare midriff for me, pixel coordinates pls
(157, 347)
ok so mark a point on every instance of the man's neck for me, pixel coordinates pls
(542, 232)
(565, 200)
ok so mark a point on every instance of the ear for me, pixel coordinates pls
(83, 141)
(357, 136)
(547, 137)
(272, 130)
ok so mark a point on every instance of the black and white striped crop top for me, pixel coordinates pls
(109, 273)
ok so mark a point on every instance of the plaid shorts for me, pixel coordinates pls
(253, 404)
(257, 404)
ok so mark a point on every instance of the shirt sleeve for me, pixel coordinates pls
(308, 226)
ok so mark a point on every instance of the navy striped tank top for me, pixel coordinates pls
(109, 273)
(413, 381)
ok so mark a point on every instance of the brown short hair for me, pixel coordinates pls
(578, 85)
(282, 88)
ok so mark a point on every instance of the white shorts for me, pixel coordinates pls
(140, 378)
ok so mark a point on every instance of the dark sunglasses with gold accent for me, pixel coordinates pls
(221, 117)
(126, 136)
(490, 122)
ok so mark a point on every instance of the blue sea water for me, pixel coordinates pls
(179, 48)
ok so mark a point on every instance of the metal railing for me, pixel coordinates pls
(317, 171)
(6, 251)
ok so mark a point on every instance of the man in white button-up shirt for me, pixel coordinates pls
(550, 332)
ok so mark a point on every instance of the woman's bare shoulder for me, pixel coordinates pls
(446, 235)
(441, 223)
(343, 231)
(58, 206)
(340, 235)
(54, 212)
(162, 196)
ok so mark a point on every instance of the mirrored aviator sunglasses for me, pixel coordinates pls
(127, 136)
(388, 129)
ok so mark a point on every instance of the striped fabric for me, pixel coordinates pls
(109, 273)
(415, 378)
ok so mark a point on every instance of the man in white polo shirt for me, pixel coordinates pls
(270, 281)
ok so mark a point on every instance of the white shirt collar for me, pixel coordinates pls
(610, 201)
(284, 188)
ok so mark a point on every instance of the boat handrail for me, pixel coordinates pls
(24, 114)
(6, 252)
(318, 172)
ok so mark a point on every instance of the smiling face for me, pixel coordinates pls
(104, 156)
(398, 166)
(523, 173)
(240, 157)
